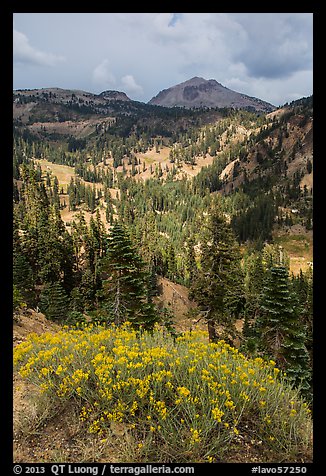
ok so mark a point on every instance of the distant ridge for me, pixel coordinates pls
(60, 95)
(199, 92)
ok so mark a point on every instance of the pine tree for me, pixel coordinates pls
(23, 277)
(76, 303)
(280, 330)
(124, 295)
(254, 280)
(18, 303)
(56, 198)
(54, 302)
(87, 288)
(303, 288)
(190, 260)
(72, 195)
(171, 263)
(218, 283)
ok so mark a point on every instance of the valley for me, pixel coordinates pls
(150, 241)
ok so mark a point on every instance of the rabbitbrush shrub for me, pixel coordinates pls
(179, 400)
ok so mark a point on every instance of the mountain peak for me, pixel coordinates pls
(199, 80)
(195, 80)
(199, 92)
(114, 95)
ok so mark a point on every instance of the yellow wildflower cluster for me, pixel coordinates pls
(159, 385)
(195, 438)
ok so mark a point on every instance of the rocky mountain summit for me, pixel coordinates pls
(199, 92)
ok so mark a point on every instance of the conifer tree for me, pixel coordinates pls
(171, 263)
(18, 303)
(253, 282)
(190, 260)
(54, 302)
(303, 288)
(77, 302)
(280, 330)
(124, 295)
(88, 288)
(56, 197)
(218, 283)
(23, 277)
(72, 195)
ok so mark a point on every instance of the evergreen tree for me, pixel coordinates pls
(76, 303)
(303, 288)
(54, 302)
(190, 261)
(218, 282)
(87, 288)
(72, 195)
(23, 277)
(171, 263)
(254, 280)
(56, 198)
(124, 295)
(18, 303)
(280, 330)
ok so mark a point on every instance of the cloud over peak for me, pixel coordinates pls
(129, 84)
(104, 79)
(102, 76)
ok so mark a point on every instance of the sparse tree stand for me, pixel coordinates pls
(218, 283)
(280, 331)
(124, 295)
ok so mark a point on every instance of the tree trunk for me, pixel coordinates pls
(212, 336)
(117, 305)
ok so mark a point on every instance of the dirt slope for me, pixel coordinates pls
(32, 321)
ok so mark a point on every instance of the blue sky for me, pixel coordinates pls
(266, 55)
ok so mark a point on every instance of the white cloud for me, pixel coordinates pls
(25, 53)
(129, 84)
(102, 76)
(276, 45)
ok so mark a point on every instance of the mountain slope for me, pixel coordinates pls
(199, 92)
(67, 96)
(59, 105)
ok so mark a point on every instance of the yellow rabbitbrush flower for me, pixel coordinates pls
(161, 409)
(182, 393)
(229, 404)
(59, 370)
(244, 396)
(217, 414)
(45, 371)
(195, 435)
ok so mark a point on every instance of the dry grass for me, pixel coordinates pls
(64, 173)
(69, 216)
(298, 244)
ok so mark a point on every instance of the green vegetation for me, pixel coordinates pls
(221, 233)
(124, 295)
(217, 282)
(279, 330)
(178, 400)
